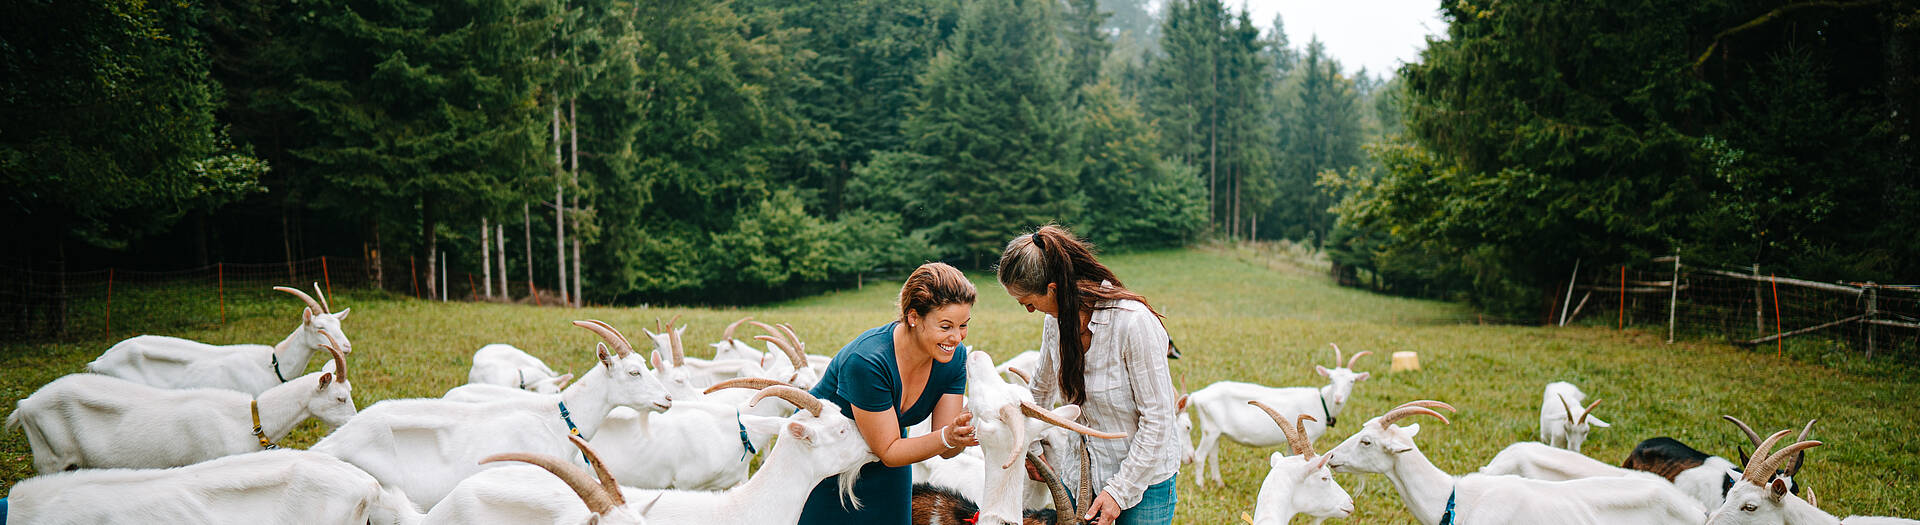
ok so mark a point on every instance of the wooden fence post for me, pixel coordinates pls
(413, 276)
(325, 276)
(1623, 298)
(1570, 281)
(1873, 310)
(1673, 300)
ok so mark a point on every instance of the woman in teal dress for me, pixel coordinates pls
(893, 377)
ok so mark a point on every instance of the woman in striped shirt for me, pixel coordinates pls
(1104, 348)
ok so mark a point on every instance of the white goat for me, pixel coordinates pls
(1759, 501)
(605, 503)
(1432, 496)
(1223, 411)
(503, 364)
(172, 362)
(1559, 426)
(1300, 483)
(96, 421)
(268, 487)
(1004, 416)
(426, 446)
(1536, 460)
(815, 443)
(697, 445)
(1027, 361)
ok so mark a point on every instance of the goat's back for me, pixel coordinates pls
(1485, 499)
(1665, 456)
(278, 486)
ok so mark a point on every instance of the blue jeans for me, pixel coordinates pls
(1155, 507)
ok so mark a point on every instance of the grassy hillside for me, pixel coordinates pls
(1239, 314)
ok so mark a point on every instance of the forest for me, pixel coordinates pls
(622, 152)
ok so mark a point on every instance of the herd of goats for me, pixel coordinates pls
(167, 430)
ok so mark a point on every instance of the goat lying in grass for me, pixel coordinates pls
(504, 365)
(1223, 411)
(97, 421)
(172, 362)
(1705, 478)
(268, 487)
(1433, 496)
(426, 446)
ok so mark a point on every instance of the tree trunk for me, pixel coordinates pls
(286, 242)
(500, 241)
(374, 268)
(433, 247)
(526, 220)
(559, 208)
(573, 129)
(486, 257)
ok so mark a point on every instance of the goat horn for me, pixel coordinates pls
(330, 338)
(1429, 404)
(1398, 413)
(1761, 452)
(590, 491)
(1751, 436)
(1011, 415)
(339, 363)
(1774, 460)
(1336, 354)
(1296, 436)
(1034, 411)
(1589, 410)
(1356, 357)
(791, 336)
(1793, 469)
(1024, 376)
(679, 352)
(793, 356)
(728, 335)
(600, 469)
(1057, 489)
(623, 337)
(1563, 404)
(756, 383)
(323, 298)
(609, 334)
(799, 398)
(315, 305)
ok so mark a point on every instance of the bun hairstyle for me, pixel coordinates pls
(1052, 255)
(931, 286)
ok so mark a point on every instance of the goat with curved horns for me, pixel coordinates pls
(1222, 410)
(604, 502)
(172, 362)
(1300, 483)
(1761, 498)
(96, 421)
(1433, 496)
(1705, 478)
(426, 446)
(1559, 425)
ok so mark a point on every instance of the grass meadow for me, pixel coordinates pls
(1258, 314)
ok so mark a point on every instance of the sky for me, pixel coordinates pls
(1378, 34)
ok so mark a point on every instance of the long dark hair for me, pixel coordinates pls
(1052, 255)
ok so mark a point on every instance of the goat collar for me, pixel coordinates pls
(523, 377)
(1727, 485)
(265, 443)
(1446, 518)
(575, 430)
(744, 443)
(1331, 421)
(276, 373)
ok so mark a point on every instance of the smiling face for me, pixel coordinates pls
(941, 330)
(1037, 302)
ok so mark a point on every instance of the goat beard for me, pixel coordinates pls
(847, 498)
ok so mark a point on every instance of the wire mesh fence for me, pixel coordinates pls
(1744, 306)
(121, 303)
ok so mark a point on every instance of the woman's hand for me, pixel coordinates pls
(1104, 510)
(960, 433)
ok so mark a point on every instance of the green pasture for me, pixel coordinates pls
(1260, 314)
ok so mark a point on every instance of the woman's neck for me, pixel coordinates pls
(907, 351)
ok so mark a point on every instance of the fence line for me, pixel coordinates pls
(116, 302)
(1733, 306)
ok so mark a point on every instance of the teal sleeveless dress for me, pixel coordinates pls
(864, 374)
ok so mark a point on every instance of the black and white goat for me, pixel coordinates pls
(1703, 477)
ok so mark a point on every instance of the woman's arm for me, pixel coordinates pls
(951, 411)
(882, 432)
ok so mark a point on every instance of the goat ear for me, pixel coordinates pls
(1596, 422)
(1743, 455)
(306, 315)
(1361, 376)
(655, 357)
(1777, 489)
(1411, 429)
(562, 381)
(682, 330)
(1067, 412)
(1181, 404)
(600, 351)
(342, 314)
(800, 432)
(326, 378)
(1273, 461)
(1321, 369)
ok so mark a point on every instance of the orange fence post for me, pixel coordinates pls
(221, 270)
(535, 292)
(1623, 298)
(109, 302)
(470, 287)
(413, 276)
(324, 276)
(1779, 342)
